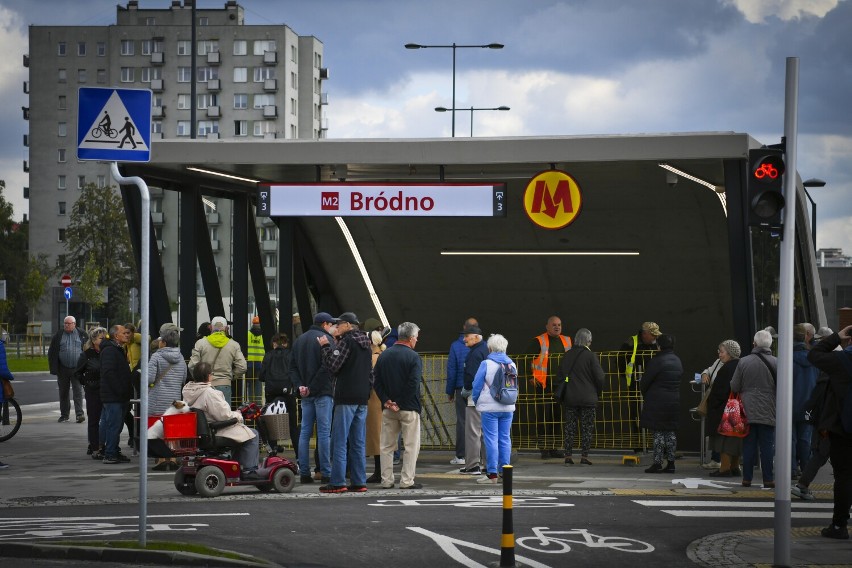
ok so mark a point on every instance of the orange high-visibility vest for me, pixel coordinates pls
(539, 364)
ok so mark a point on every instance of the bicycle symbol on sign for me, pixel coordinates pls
(99, 130)
(554, 542)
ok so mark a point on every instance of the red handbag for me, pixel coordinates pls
(734, 422)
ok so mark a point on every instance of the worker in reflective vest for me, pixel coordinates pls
(543, 413)
(254, 360)
(638, 352)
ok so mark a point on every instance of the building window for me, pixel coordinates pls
(263, 45)
(317, 60)
(81, 48)
(207, 127)
(263, 99)
(151, 73)
(150, 21)
(293, 131)
(128, 74)
(62, 208)
(63, 76)
(184, 47)
(203, 21)
(61, 235)
(294, 80)
(263, 127)
(183, 128)
(81, 75)
(147, 44)
(240, 128)
(294, 53)
(100, 48)
(157, 101)
(63, 102)
(60, 182)
(263, 73)
(239, 47)
(60, 155)
(127, 47)
(63, 129)
(101, 76)
(157, 45)
(207, 73)
(101, 181)
(240, 100)
(61, 49)
(157, 126)
(208, 46)
(293, 107)
(184, 74)
(240, 74)
(184, 101)
(208, 100)
(81, 182)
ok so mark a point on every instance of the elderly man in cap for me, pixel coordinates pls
(639, 348)
(314, 382)
(350, 360)
(473, 448)
(224, 355)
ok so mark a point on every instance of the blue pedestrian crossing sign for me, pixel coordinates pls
(114, 124)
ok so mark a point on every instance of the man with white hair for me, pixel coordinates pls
(62, 357)
(224, 355)
(755, 379)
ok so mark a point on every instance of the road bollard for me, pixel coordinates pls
(507, 543)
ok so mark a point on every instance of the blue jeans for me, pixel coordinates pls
(112, 422)
(225, 390)
(497, 437)
(759, 436)
(349, 425)
(802, 434)
(316, 410)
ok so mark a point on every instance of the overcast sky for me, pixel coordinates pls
(570, 67)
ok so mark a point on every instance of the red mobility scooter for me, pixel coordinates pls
(205, 463)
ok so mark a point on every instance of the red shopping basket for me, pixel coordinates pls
(180, 433)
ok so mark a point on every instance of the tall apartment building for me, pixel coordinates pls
(252, 81)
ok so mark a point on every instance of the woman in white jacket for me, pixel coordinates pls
(201, 395)
(496, 416)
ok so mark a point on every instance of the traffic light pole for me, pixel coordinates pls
(784, 388)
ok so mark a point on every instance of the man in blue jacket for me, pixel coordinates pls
(455, 384)
(804, 380)
(474, 450)
(313, 381)
(116, 392)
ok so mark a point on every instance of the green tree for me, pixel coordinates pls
(35, 282)
(97, 233)
(88, 289)
(13, 264)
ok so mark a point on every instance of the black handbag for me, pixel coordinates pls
(559, 393)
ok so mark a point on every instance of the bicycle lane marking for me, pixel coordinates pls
(475, 501)
(451, 546)
(65, 527)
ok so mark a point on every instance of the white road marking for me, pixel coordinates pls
(736, 509)
(741, 504)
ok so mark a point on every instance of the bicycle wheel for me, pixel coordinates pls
(624, 544)
(10, 419)
(96, 132)
(544, 544)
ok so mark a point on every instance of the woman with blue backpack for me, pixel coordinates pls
(495, 391)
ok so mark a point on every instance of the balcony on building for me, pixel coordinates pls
(157, 58)
(26, 87)
(270, 85)
(323, 73)
(214, 111)
(156, 191)
(158, 112)
(270, 135)
(270, 271)
(270, 111)
(157, 85)
(157, 217)
(323, 124)
(213, 218)
(26, 140)
(161, 245)
(26, 166)
(26, 60)
(270, 57)
(214, 58)
(157, 136)
(214, 85)
(323, 98)
(26, 112)
(269, 246)
(214, 244)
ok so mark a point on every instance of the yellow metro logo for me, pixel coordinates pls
(552, 199)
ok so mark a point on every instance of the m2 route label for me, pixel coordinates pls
(382, 200)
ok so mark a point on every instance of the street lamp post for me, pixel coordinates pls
(454, 46)
(470, 110)
(813, 182)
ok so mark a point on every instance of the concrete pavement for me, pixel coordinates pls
(49, 466)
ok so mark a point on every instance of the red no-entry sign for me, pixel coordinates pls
(66, 280)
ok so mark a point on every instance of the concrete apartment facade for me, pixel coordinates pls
(253, 82)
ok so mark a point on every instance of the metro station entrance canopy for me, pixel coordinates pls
(660, 236)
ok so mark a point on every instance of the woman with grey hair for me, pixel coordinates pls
(496, 416)
(728, 447)
(166, 373)
(89, 374)
(583, 377)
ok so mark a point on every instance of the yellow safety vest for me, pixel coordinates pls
(255, 350)
(539, 364)
(628, 371)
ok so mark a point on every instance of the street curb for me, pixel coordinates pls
(124, 555)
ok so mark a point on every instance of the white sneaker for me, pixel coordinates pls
(485, 480)
(457, 461)
(712, 465)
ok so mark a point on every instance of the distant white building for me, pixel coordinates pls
(832, 258)
(252, 82)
